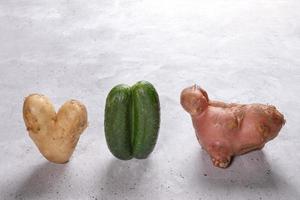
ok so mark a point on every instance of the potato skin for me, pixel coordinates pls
(225, 130)
(55, 134)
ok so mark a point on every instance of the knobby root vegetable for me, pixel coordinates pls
(55, 134)
(225, 130)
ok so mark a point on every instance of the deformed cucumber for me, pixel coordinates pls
(132, 119)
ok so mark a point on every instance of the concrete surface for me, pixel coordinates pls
(242, 51)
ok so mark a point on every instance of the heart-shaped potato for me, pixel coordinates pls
(55, 134)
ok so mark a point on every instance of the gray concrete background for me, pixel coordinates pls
(241, 51)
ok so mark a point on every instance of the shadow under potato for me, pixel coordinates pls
(251, 168)
(40, 181)
(251, 171)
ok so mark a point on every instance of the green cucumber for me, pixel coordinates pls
(145, 118)
(117, 123)
(132, 118)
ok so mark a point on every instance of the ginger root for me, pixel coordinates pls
(225, 130)
(55, 134)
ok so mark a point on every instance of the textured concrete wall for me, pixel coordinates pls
(241, 51)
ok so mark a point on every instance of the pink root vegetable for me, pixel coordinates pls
(225, 130)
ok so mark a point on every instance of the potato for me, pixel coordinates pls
(228, 129)
(55, 134)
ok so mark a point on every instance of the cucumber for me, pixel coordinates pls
(145, 119)
(117, 123)
(132, 118)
